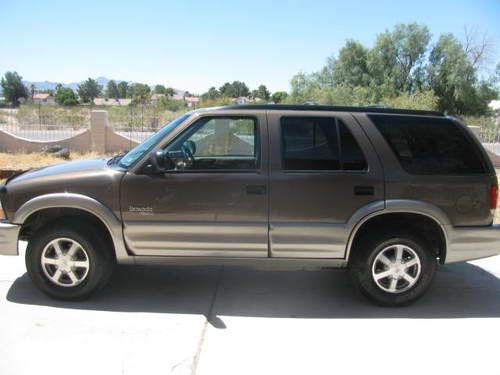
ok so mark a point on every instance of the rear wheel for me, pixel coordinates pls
(68, 263)
(393, 270)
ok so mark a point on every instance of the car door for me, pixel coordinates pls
(211, 203)
(323, 169)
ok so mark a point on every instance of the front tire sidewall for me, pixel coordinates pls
(99, 265)
(361, 271)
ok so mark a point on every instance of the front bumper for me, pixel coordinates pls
(9, 234)
(468, 243)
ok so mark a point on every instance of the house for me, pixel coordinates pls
(241, 100)
(192, 101)
(111, 101)
(177, 96)
(155, 98)
(43, 98)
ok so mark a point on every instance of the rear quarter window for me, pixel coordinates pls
(429, 145)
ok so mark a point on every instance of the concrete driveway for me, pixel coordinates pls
(212, 320)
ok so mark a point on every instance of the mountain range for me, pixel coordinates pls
(49, 85)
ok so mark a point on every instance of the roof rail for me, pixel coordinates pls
(333, 108)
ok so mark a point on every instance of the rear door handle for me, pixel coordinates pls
(364, 190)
(256, 189)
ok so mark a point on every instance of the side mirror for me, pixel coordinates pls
(158, 162)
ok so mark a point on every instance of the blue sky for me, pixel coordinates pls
(196, 44)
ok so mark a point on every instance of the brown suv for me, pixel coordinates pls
(387, 193)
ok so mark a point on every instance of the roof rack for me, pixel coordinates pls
(334, 108)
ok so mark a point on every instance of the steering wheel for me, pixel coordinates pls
(188, 150)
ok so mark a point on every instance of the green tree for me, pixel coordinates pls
(279, 96)
(112, 90)
(160, 89)
(234, 90)
(66, 96)
(13, 88)
(123, 90)
(211, 94)
(89, 90)
(262, 93)
(350, 67)
(140, 92)
(451, 75)
(398, 57)
(169, 92)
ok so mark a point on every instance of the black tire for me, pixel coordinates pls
(100, 259)
(360, 268)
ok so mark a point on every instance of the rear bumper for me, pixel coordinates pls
(9, 234)
(468, 243)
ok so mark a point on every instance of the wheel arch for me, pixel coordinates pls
(82, 203)
(412, 212)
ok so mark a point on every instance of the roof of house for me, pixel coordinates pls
(192, 99)
(333, 108)
(42, 95)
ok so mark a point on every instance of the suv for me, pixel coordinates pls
(387, 193)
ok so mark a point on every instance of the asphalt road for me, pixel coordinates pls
(212, 320)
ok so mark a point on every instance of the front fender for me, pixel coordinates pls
(81, 202)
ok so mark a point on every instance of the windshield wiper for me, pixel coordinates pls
(116, 158)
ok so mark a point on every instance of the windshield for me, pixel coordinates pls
(140, 150)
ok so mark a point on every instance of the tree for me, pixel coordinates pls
(140, 92)
(279, 96)
(112, 90)
(398, 57)
(169, 92)
(479, 48)
(123, 90)
(262, 93)
(350, 67)
(234, 90)
(89, 90)
(451, 75)
(13, 88)
(66, 96)
(160, 89)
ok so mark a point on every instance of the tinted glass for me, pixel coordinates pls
(353, 158)
(426, 145)
(219, 143)
(319, 143)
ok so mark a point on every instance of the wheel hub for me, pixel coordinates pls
(396, 268)
(65, 262)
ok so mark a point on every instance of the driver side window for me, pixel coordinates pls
(219, 143)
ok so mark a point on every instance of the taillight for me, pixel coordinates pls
(493, 196)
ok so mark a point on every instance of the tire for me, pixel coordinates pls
(82, 257)
(379, 276)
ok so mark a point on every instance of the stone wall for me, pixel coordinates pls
(99, 138)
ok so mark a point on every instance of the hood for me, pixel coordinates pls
(92, 178)
(62, 170)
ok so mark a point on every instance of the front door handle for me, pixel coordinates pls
(256, 189)
(364, 190)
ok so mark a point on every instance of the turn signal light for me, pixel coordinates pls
(494, 197)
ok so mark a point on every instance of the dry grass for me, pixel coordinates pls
(27, 161)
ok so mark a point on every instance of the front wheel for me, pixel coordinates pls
(393, 270)
(68, 264)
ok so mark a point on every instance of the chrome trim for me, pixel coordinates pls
(9, 234)
(82, 202)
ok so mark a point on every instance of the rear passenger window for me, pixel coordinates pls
(319, 143)
(426, 145)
